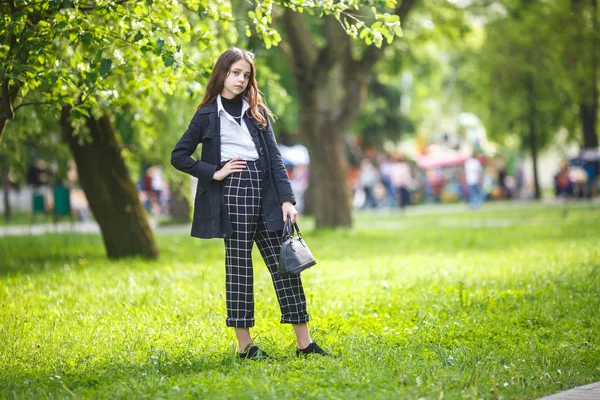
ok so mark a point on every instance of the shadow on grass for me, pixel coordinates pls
(50, 252)
(33, 254)
(129, 377)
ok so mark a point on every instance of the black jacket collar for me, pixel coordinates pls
(209, 108)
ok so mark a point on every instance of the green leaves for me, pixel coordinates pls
(68, 53)
(87, 38)
(78, 113)
(138, 36)
(168, 60)
(16, 16)
(140, 33)
(105, 66)
(92, 76)
(386, 27)
(261, 20)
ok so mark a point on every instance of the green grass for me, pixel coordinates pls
(501, 303)
(23, 218)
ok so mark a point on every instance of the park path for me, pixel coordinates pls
(587, 392)
(426, 209)
(76, 227)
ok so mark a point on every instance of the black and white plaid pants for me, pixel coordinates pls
(242, 191)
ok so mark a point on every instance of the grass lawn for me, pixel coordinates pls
(501, 303)
(22, 218)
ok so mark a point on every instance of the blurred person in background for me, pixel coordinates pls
(591, 169)
(385, 171)
(473, 178)
(158, 187)
(519, 178)
(368, 178)
(147, 189)
(563, 186)
(401, 180)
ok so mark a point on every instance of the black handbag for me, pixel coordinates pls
(294, 256)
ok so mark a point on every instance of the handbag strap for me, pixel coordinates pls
(297, 230)
(289, 228)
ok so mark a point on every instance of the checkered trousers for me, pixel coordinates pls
(242, 191)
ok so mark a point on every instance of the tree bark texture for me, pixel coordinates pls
(532, 135)
(180, 203)
(111, 194)
(330, 194)
(8, 92)
(589, 112)
(6, 196)
(8, 95)
(587, 62)
(589, 118)
(331, 88)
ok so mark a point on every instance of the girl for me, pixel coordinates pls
(243, 194)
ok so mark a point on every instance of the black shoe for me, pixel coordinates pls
(312, 348)
(254, 353)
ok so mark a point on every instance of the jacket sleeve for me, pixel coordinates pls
(185, 147)
(280, 176)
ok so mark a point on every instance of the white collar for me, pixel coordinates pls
(220, 107)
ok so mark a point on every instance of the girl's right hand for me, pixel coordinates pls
(234, 165)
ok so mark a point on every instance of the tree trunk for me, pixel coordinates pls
(532, 135)
(111, 194)
(324, 117)
(330, 200)
(180, 203)
(308, 200)
(588, 116)
(8, 94)
(331, 86)
(3, 122)
(6, 186)
(586, 67)
(589, 111)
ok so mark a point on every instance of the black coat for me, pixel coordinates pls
(211, 219)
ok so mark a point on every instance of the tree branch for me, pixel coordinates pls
(338, 46)
(355, 72)
(303, 52)
(32, 103)
(355, 80)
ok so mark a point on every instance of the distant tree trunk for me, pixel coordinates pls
(331, 88)
(180, 203)
(111, 194)
(308, 200)
(533, 134)
(6, 187)
(8, 94)
(589, 111)
(589, 119)
(331, 204)
(587, 61)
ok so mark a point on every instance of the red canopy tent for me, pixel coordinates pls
(441, 160)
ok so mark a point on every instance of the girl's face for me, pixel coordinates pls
(237, 79)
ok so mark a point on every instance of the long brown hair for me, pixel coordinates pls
(251, 94)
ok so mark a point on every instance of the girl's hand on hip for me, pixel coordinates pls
(289, 210)
(234, 165)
